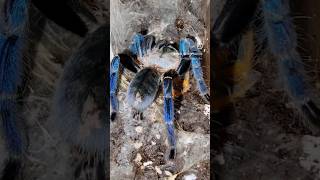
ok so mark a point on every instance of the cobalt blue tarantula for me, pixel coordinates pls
(151, 59)
(14, 30)
(275, 32)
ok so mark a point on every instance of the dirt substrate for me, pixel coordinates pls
(266, 138)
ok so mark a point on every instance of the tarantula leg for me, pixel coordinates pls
(148, 43)
(117, 62)
(15, 13)
(198, 75)
(114, 76)
(233, 20)
(169, 112)
(185, 61)
(12, 35)
(128, 62)
(188, 49)
(136, 46)
(184, 66)
(143, 89)
(282, 42)
(141, 44)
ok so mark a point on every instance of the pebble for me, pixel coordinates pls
(138, 158)
(168, 173)
(147, 163)
(137, 145)
(190, 177)
(139, 129)
(158, 170)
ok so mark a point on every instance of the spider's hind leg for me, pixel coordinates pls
(117, 62)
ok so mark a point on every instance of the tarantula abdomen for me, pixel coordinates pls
(143, 89)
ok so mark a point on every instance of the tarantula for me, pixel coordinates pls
(150, 60)
(276, 32)
(14, 26)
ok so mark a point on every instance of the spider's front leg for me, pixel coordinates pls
(168, 106)
(114, 76)
(139, 47)
(282, 42)
(115, 71)
(191, 56)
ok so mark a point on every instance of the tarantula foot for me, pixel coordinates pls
(113, 116)
(311, 110)
(172, 153)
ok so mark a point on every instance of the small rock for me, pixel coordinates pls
(207, 110)
(139, 129)
(147, 163)
(137, 145)
(138, 158)
(190, 177)
(158, 170)
(153, 143)
(167, 173)
(158, 136)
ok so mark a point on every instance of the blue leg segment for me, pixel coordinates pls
(10, 66)
(139, 47)
(282, 41)
(114, 77)
(169, 114)
(12, 29)
(141, 44)
(198, 75)
(189, 50)
(15, 15)
(136, 46)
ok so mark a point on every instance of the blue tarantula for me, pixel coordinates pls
(271, 19)
(150, 60)
(14, 26)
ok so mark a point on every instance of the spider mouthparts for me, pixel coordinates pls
(113, 116)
